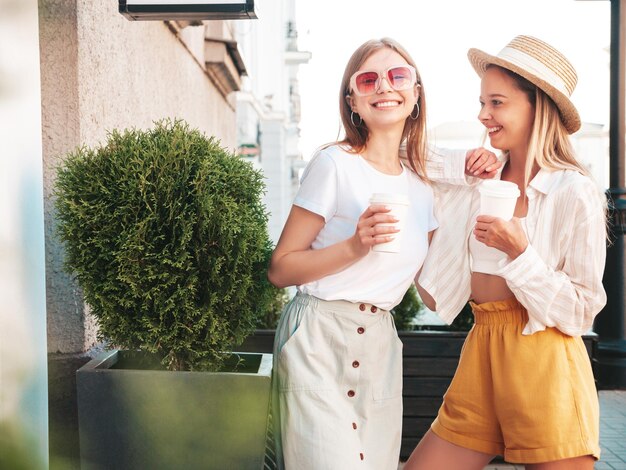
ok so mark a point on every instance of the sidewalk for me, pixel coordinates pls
(612, 434)
(612, 430)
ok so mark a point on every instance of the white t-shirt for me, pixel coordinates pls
(338, 185)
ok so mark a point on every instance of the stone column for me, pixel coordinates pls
(23, 370)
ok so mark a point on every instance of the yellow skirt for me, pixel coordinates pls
(529, 398)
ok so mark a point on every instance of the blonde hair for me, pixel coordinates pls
(414, 132)
(549, 146)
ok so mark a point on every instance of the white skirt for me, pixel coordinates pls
(337, 386)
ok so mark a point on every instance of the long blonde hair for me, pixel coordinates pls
(414, 132)
(549, 146)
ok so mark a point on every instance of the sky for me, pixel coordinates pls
(438, 33)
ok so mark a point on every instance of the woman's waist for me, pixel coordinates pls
(496, 312)
(488, 288)
(351, 309)
(326, 296)
(367, 282)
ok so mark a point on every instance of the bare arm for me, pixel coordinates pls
(294, 262)
(425, 296)
(460, 167)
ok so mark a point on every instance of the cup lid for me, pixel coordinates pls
(499, 188)
(389, 198)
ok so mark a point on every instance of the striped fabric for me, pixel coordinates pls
(558, 279)
(446, 166)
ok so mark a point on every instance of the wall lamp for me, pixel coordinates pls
(189, 10)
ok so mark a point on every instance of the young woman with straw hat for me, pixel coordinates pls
(524, 387)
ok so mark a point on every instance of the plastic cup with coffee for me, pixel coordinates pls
(498, 198)
(399, 206)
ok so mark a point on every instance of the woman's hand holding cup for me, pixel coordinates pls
(495, 226)
(505, 235)
(370, 230)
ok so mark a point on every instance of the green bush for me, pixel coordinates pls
(278, 300)
(166, 233)
(407, 310)
(464, 321)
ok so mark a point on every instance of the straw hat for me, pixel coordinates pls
(540, 64)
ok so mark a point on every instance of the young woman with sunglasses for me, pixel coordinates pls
(337, 357)
(524, 387)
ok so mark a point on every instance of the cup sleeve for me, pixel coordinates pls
(318, 187)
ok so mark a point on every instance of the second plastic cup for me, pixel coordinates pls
(498, 198)
(399, 205)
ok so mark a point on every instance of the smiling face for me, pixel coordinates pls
(506, 111)
(386, 107)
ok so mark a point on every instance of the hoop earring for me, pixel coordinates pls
(352, 113)
(417, 107)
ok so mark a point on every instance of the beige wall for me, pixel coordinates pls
(100, 71)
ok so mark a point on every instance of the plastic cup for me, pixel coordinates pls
(498, 198)
(399, 205)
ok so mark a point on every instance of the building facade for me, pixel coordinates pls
(268, 106)
(100, 72)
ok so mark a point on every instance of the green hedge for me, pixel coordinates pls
(166, 233)
(407, 310)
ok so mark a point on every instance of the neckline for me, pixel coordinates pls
(373, 168)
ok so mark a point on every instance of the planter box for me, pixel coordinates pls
(429, 362)
(156, 419)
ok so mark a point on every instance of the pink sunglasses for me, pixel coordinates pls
(399, 77)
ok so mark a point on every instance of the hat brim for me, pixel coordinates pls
(569, 114)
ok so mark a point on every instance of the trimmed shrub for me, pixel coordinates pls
(166, 233)
(407, 310)
(279, 298)
(464, 321)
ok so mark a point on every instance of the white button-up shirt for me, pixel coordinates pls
(558, 279)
